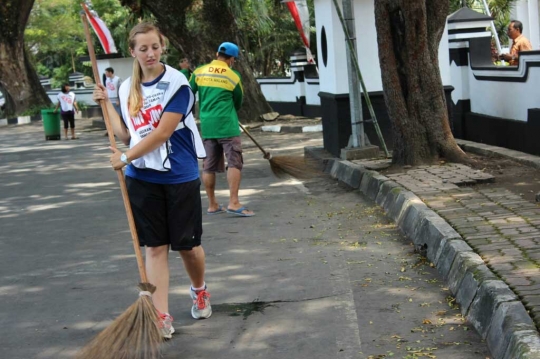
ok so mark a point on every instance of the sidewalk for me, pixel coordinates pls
(290, 124)
(484, 242)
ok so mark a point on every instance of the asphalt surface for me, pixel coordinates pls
(319, 272)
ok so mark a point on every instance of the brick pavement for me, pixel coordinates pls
(502, 227)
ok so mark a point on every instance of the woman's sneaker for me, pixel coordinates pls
(165, 325)
(201, 308)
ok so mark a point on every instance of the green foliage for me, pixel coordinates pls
(31, 111)
(254, 15)
(55, 36)
(60, 75)
(499, 9)
(43, 70)
(268, 34)
(82, 105)
(455, 5)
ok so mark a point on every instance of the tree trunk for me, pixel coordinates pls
(18, 79)
(216, 25)
(408, 35)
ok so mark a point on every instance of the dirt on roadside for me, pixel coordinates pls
(509, 174)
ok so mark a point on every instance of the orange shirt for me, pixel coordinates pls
(520, 43)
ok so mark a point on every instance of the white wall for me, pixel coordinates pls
(312, 89)
(492, 98)
(285, 92)
(460, 75)
(509, 100)
(444, 59)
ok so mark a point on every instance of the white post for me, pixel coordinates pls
(355, 98)
(534, 25)
(520, 11)
(493, 29)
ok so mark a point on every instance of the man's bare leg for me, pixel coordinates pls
(234, 177)
(209, 180)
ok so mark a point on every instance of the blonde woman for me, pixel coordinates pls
(162, 173)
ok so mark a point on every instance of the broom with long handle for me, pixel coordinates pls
(135, 333)
(296, 166)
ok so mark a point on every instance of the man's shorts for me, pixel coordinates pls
(215, 148)
(167, 213)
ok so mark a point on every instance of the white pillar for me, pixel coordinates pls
(368, 49)
(332, 74)
(521, 12)
(366, 44)
(534, 24)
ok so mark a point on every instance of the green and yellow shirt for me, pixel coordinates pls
(220, 96)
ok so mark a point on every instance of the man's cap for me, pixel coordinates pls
(228, 48)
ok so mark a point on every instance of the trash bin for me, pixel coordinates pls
(51, 124)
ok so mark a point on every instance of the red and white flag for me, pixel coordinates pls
(300, 13)
(101, 30)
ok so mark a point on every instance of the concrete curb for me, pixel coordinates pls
(21, 120)
(487, 302)
(291, 129)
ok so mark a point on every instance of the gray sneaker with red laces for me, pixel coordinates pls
(201, 308)
(165, 325)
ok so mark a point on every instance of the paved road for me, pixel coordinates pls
(318, 273)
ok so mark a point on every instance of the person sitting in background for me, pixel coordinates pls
(519, 43)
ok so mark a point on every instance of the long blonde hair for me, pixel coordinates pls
(135, 100)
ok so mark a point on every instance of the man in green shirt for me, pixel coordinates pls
(185, 67)
(220, 96)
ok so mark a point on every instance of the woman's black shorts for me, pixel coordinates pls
(167, 213)
(69, 118)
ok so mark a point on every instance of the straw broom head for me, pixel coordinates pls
(133, 335)
(295, 166)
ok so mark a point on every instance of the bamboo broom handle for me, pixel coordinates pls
(120, 173)
(255, 142)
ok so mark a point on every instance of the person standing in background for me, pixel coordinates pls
(185, 67)
(68, 107)
(220, 97)
(112, 83)
(519, 43)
